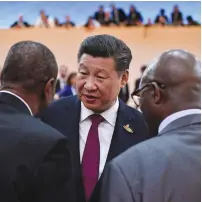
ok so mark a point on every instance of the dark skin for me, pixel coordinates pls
(30, 71)
(36, 100)
(176, 86)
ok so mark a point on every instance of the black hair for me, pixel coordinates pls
(28, 64)
(107, 46)
(71, 75)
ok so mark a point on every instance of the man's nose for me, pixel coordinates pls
(90, 84)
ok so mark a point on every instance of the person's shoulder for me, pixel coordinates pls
(134, 113)
(149, 151)
(138, 154)
(33, 128)
(59, 106)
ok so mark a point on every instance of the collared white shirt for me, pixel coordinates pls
(8, 92)
(40, 23)
(105, 130)
(176, 116)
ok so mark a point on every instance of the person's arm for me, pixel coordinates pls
(114, 186)
(55, 173)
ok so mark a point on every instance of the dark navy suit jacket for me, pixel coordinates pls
(64, 115)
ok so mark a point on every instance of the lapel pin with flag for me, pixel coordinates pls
(127, 127)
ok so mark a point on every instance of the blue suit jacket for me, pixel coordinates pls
(64, 115)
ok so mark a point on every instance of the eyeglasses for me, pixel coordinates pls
(136, 94)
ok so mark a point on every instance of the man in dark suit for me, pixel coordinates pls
(134, 18)
(166, 167)
(100, 15)
(20, 23)
(118, 15)
(99, 125)
(176, 16)
(162, 18)
(34, 158)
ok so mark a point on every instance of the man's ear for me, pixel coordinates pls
(157, 96)
(50, 87)
(124, 78)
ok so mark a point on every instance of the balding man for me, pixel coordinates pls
(34, 158)
(167, 167)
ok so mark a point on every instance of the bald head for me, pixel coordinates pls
(180, 72)
(28, 64)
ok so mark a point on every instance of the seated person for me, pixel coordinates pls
(100, 15)
(161, 19)
(20, 23)
(68, 23)
(69, 89)
(134, 17)
(45, 21)
(118, 15)
(57, 23)
(91, 23)
(107, 20)
(177, 18)
(191, 21)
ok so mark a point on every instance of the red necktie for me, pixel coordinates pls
(91, 156)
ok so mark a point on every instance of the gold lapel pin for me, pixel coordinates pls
(126, 127)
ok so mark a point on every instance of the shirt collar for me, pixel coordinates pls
(176, 116)
(109, 115)
(5, 91)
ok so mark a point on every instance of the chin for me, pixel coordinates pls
(92, 107)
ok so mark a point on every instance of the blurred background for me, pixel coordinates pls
(148, 28)
(79, 11)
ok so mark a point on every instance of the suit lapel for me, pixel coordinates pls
(122, 132)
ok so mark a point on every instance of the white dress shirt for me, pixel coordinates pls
(105, 130)
(8, 92)
(40, 23)
(176, 116)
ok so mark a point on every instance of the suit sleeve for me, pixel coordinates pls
(114, 186)
(54, 174)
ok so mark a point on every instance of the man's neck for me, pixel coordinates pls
(28, 100)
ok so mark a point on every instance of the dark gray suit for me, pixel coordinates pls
(166, 168)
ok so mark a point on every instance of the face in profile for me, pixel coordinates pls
(98, 83)
(149, 105)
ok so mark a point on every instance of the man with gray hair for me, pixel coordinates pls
(34, 158)
(166, 168)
